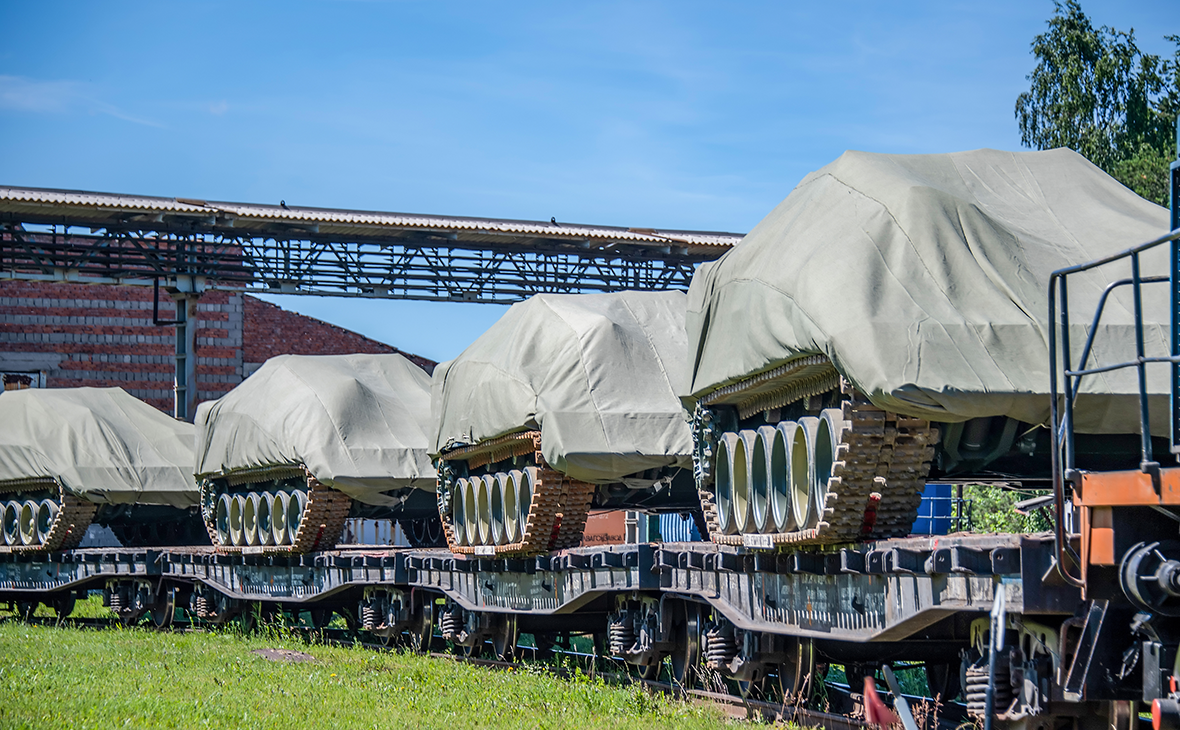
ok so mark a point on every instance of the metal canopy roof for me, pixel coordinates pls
(96, 210)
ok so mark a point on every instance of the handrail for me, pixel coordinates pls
(1061, 414)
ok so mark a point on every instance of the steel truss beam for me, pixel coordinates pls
(403, 268)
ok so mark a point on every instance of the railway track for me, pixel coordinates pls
(732, 705)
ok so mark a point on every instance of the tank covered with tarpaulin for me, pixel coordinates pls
(358, 423)
(65, 451)
(282, 457)
(596, 374)
(568, 402)
(923, 280)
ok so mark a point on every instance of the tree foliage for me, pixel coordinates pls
(1096, 92)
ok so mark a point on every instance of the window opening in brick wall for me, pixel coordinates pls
(20, 381)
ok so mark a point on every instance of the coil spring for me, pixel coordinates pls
(720, 647)
(621, 633)
(116, 601)
(368, 616)
(451, 624)
(203, 607)
(976, 689)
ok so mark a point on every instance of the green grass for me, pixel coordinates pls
(67, 677)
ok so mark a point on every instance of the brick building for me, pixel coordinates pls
(65, 335)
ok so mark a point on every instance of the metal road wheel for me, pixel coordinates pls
(266, 503)
(512, 523)
(829, 432)
(28, 522)
(498, 528)
(504, 637)
(459, 512)
(524, 497)
(800, 478)
(723, 483)
(221, 518)
(10, 523)
(483, 501)
(740, 463)
(250, 518)
(471, 510)
(782, 515)
(46, 514)
(295, 505)
(686, 634)
(761, 482)
(163, 611)
(278, 519)
(236, 505)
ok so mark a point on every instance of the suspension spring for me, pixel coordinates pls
(976, 689)
(451, 623)
(116, 600)
(203, 610)
(621, 633)
(720, 647)
(368, 616)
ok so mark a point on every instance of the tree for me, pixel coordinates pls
(1094, 91)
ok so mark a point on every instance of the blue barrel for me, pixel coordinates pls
(675, 527)
(934, 514)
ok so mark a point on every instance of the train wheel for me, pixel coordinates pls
(250, 617)
(796, 675)
(63, 605)
(505, 637)
(687, 637)
(26, 609)
(320, 617)
(944, 681)
(164, 610)
(650, 672)
(753, 689)
(422, 629)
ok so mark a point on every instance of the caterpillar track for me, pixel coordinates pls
(557, 511)
(878, 473)
(321, 523)
(71, 516)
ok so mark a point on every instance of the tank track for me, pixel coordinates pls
(875, 488)
(74, 516)
(557, 513)
(320, 527)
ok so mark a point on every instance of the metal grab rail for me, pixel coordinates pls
(1061, 416)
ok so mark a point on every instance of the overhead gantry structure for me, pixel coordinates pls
(188, 246)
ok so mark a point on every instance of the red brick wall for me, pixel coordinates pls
(97, 335)
(271, 330)
(102, 336)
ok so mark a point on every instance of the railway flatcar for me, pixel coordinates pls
(285, 457)
(898, 318)
(568, 402)
(72, 456)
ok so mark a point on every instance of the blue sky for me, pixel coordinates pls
(671, 114)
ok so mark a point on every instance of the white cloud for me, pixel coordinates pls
(21, 94)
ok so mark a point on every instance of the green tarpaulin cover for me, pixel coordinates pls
(924, 278)
(358, 422)
(98, 442)
(597, 374)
